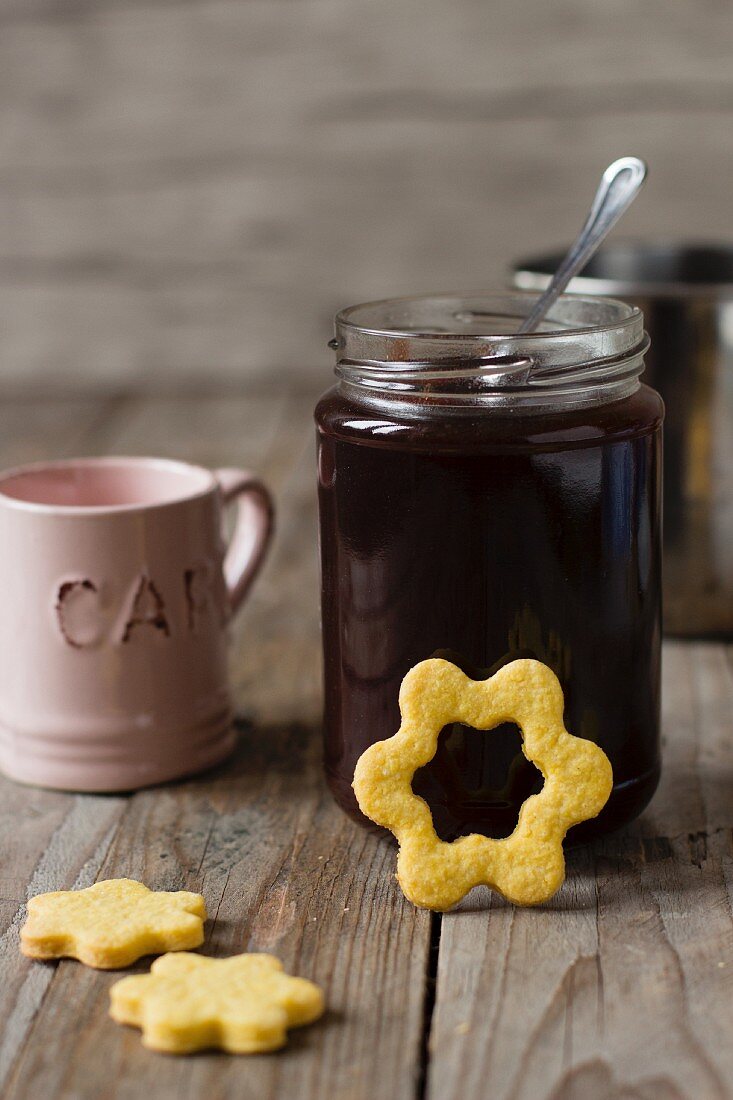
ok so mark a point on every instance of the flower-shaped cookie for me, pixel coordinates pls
(111, 924)
(526, 867)
(243, 1004)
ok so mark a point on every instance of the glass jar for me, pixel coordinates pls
(486, 496)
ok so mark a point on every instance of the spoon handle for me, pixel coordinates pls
(618, 188)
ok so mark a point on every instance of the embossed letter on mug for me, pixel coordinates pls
(113, 617)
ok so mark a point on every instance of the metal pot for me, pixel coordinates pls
(686, 293)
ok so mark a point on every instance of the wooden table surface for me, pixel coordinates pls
(621, 987)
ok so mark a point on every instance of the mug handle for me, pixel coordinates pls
(252, 530)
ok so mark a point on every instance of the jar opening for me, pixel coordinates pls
(464, 351)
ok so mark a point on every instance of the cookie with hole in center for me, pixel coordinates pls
(528, 866)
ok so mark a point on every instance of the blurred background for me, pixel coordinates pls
(190, 188)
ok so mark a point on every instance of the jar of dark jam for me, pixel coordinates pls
(486, 496)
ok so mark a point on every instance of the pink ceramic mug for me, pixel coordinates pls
(113, 618)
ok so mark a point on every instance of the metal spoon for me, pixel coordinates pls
(620, 184)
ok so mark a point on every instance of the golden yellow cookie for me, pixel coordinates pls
(190, 1002)
(112, 923)
(526, 867)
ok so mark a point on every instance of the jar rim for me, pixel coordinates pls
(628, 314)
(463, 350)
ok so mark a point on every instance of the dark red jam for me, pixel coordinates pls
(483, 537)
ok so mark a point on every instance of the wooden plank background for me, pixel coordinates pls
(189, 188)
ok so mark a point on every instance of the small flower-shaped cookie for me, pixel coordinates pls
(526, 867)
(243, 1004)
(111, 924)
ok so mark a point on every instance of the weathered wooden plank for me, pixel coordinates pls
(74, 852)
(449, 49)
(195, 187)
(158, 318)
(621, 986)
(211, 430)
(171, 299)
(282, 870)
(36, 429)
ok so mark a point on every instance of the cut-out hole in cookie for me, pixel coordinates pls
(477, 781)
